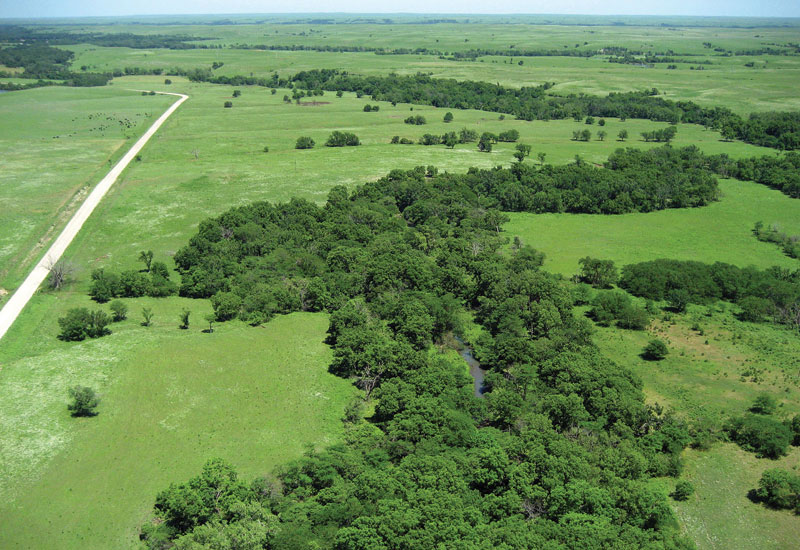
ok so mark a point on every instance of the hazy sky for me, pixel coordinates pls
(62, 8)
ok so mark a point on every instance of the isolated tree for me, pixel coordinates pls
(210, 318)
(586, 135)
(228, 104)
(60, 273)
(601, 135)
(541, 156)
(119, 310)
(683, 490)
(601, 122)
(450, 139)
(146, 257)
(589, 120)
(185, 319)
(84, 401)
(764, 404)
(266, 149)
(237, 93)
(304, 142)
(147, 315)
(622, 135)
(598, 273)
(655, 350)
(522, 151)
(167, 81)
(448, 117)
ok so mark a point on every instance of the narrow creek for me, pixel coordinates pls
(475, 369)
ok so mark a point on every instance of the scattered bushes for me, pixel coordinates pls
(613, 305)
(683, 490)
(371, 108)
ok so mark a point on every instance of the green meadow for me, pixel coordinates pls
(57, 143)
(257, 397)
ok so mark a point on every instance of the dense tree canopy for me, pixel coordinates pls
(557, 455)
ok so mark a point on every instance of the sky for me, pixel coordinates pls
(67, 8)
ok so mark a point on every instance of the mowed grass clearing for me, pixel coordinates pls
(57, 142)
(253, 396)
(720, 232)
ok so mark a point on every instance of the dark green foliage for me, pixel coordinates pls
(598, 273)
(185, 319)
(683, 490)
(237, 93)
(794, 425)
(655, 350)
(622, 135)
(228, 104)
(119, 310)
(760, 434)
(448, 117)
(522, 151)
(773, 234)
(613, 305)
(559, 452)
(84, 401)
(304, 142)
(508, 136)
(664, 135)
(417, 120)
(780, 172)
(764, 404)
(340, 139)
(772, 293)
(80, 323)
(779, 488)
(147, 316)
(430, 139)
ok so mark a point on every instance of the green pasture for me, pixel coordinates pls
(720, 516)
(56, 143)
(716, 365)
(720, 232)
(171, 399)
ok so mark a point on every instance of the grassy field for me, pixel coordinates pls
(719, 232)
(57, 142)
(254, 397)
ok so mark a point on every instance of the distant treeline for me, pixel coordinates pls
(15, 34)
(46, 62)
(782, 172)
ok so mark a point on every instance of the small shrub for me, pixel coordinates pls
(683, 490)
(119, 310)
(266, 149)
(656, 350)
(237, 93)
(304, 142)
(84, 401)
(779, 489)
(185, 319)
(448, 117)
(764, 404)
(167, 81)
(228, 104)
(147, 315)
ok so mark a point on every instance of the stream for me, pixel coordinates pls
(475, 369)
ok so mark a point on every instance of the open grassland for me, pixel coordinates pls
(171, 399)
(719, 232)
(720, 516)
(716, 365)
(56, 143)
(715, 368)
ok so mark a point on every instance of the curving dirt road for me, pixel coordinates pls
(30, 285)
